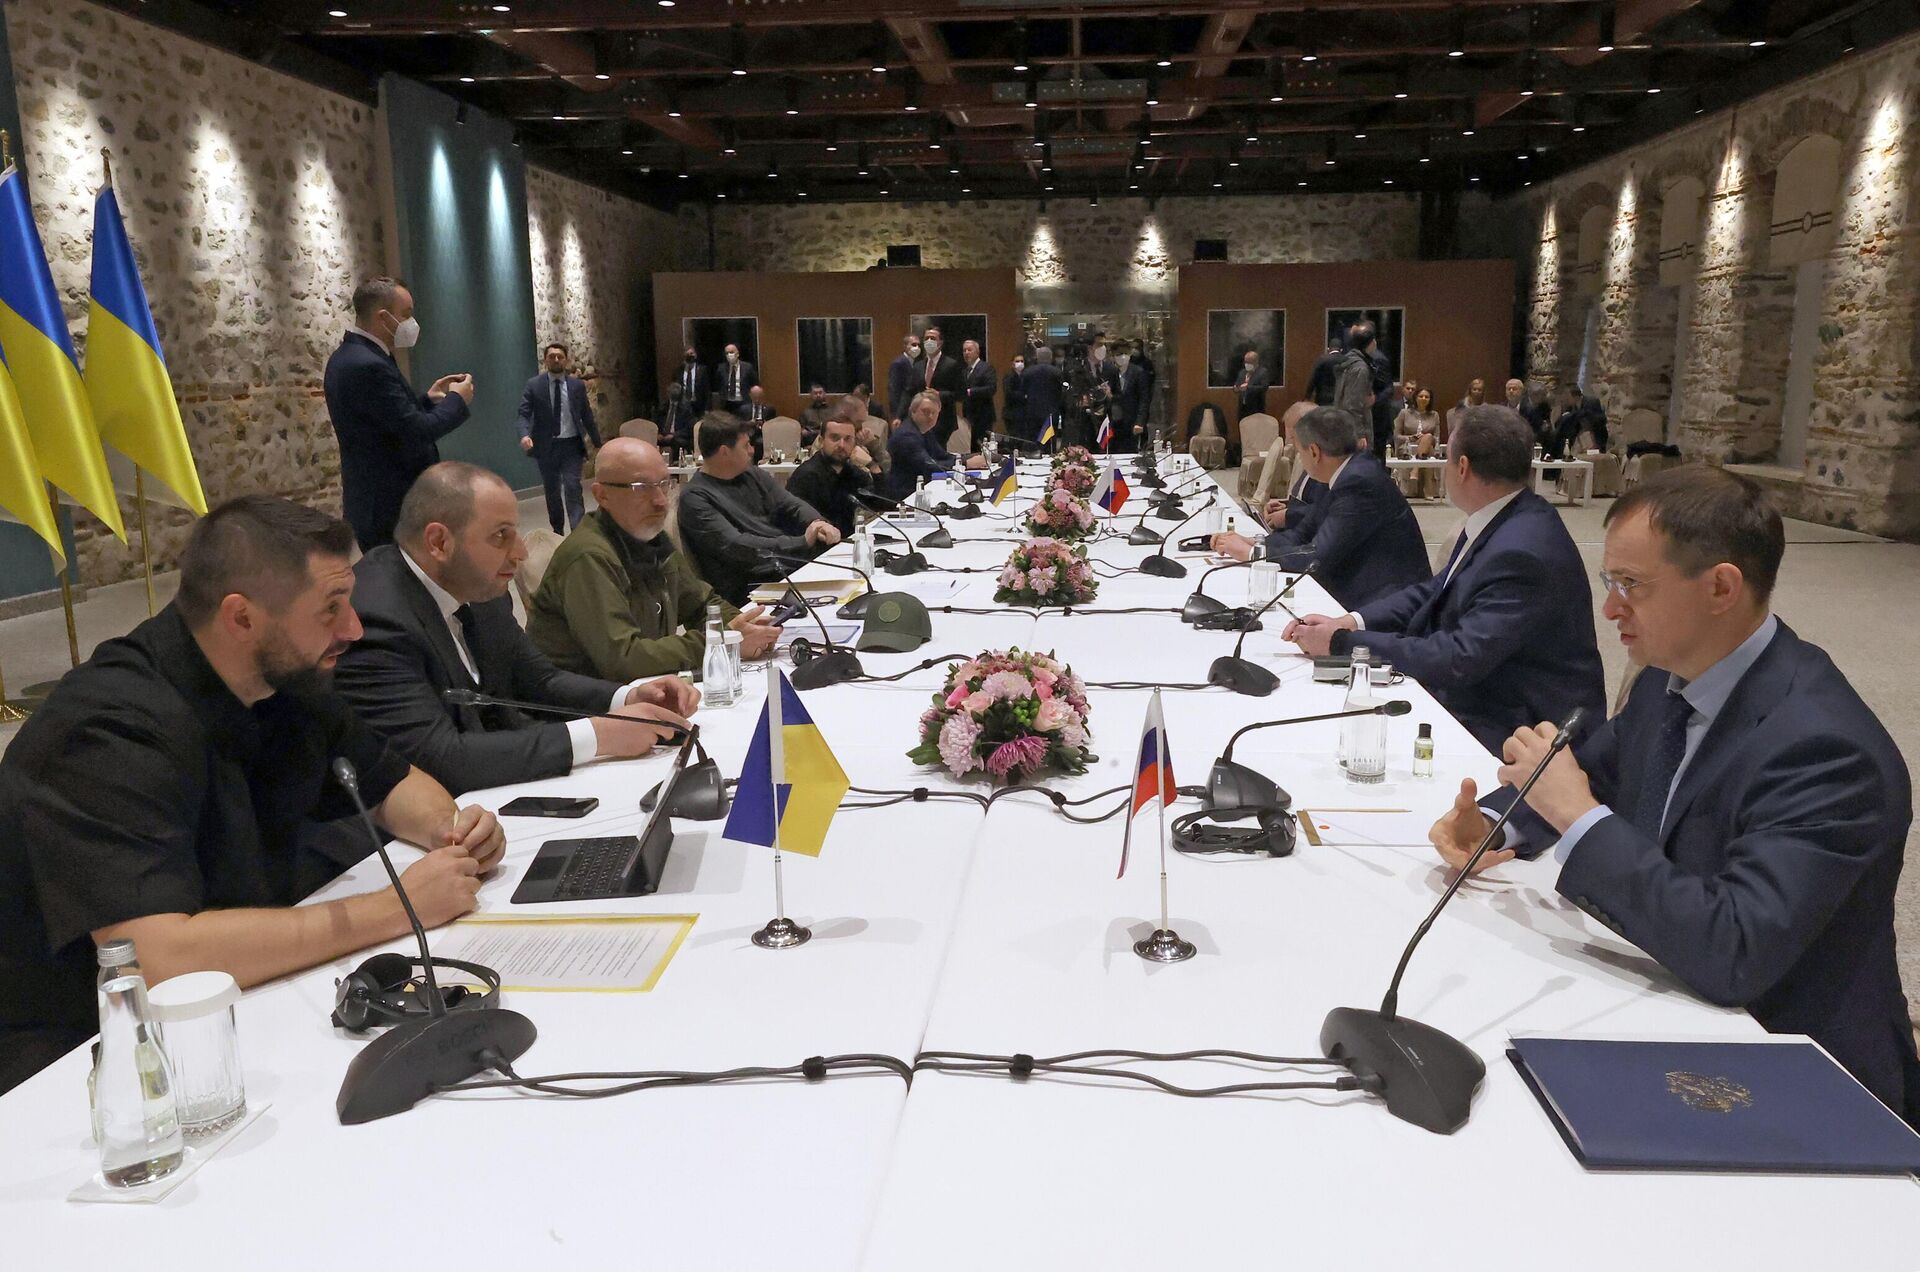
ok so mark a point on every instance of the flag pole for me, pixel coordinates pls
(66, 585)
(10, 712)
(781, 932)
(1165, 945)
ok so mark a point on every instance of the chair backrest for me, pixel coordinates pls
(782, 434)
(1639, 425)
(1260, 489)
(645, 430)
(540, 548)
(1257, 433)
(1209, 423)
(961, 443)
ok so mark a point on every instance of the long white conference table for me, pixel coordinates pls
(940, 927)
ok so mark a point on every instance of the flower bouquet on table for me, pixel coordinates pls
(1060, 514)
(1076, 457)
(1046, 572)
(1074, 479)
(1010, 713)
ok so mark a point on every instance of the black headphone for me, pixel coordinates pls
(385, 990)
(1204, 830)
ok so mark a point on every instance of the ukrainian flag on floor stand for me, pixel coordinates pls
(810, 784)
(33, 337)
(126, 377)
(23, 494)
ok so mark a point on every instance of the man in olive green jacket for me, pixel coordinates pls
(618, 599)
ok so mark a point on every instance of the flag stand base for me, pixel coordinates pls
(783, 934)
(14, 712)
(1164, 946)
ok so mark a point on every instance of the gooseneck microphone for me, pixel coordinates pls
(1198, 604)
(1236, 673)
(1158, 563)
(834, 664)
(938, 537)
(1166, 504)
(474, 698)
(1231, 785)
(417, 1057)
(1426, 1076)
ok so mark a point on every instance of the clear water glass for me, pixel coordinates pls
(1263, 582)
(194, 1014)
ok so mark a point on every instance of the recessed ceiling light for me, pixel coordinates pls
(1302, 184)
(1456, 52)
(1233, 163)
(1309, 57)
(1216, 185)
(1330, 163)
(831, 148)
(1473, 178)
(1359, 136)
(793, 110)
(721, 195)
(336, 13)
(803, 194)
(863, 172)
(1653, 90)
(953, 172)
(1134, 186)
(878, 69)
(1526, 92)
(1020, 68)
(1466, 132)
(1426, 158)
(1164, 62)
(739, 70)
(1276, 98)
(1153, 101)
(1049, 188)
(1523, 155)
(683, 176)
(466, 79)
(673, 114)
(933, 145)
(728, 150)
(1400, 96)
(1146, 141)
(966, 189)
(883, 192)
(559, 118)
(626, 152)
(911, 107)
(668, 4)
(1253, 137)
(1756, 44)
(601, 75)
(503, 8)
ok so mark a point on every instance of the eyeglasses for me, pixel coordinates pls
(661, 487)
(1621, 587)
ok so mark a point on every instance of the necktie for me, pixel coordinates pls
(556, 406)
(1663, 764)
(1453, 559)
(930, 366)
(464, 615)
(687, 392)
(733, 381)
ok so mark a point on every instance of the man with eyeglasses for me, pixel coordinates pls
(1502, 636)
(437, 616)
(1743, 818)
(619, 600)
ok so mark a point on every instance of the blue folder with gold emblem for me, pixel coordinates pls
(1780, 1107)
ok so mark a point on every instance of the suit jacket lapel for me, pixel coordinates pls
(439, 637)
(1753, 699)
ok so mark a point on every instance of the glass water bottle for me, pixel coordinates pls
(139, 1125)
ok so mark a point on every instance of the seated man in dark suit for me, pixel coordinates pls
(738, 526)
(388, 434)
(437, 616)
(1366, 544)
(1743, 818)
(556, 427)
(915, 454)
(1503, 635)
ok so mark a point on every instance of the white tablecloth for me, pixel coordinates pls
(940, 927)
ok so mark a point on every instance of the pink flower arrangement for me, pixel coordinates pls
(1046, 572)
(1076, 457)
(1060, 514)
(1007, 713)
(1073, 479)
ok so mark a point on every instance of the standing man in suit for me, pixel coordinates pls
(1016, 391)
(940, 372)
(735, 378)
(978, 381)
(1129, 411)
(902, 374)
(696, 382)
(387, 432)
(1502, 636)
(556, 428)
(436, 614)
(1366, 543)
(1743, 818)
(1251, 388)
(1043, 392)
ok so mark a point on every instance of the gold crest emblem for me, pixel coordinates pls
(1709, 1095)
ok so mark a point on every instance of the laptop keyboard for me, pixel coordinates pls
(596, 868)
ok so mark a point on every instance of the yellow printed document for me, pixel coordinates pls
(584, 953)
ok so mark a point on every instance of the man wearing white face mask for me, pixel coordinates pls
(388, 434)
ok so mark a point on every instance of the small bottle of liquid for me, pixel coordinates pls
(863, 549)
(139, 1124)
(920, 493)
(1423, 752)
(717, 686)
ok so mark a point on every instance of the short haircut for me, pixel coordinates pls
(816, 385)
(256, 545)
(445, 493)
(925, 395)
(1044, 354)
(1707, 516)
(836, 417)
(718, 430)
(850, 409)
(551, 345)
(1495, 441)
(1331, 429)
(373, 295)
(1359, 335)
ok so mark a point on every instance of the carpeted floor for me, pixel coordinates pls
(1857, 596)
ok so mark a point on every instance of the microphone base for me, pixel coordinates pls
(1231, 785)
(855, 608)
(834, 667)
(1170, 512)
(967, 511)
(1161, 566)
(699, 795)
(1199, 605)
(911, 563)
(1241, 676)
(1141, 537)
(411, 1061)
(938, 539)
(781, 934)
(1165, 946)
(1154, 481)
(1427, 1077)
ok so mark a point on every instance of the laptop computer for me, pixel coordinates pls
(613, 865)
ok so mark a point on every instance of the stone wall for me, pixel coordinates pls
(1862, 462)
(593, 256)
(250, 199)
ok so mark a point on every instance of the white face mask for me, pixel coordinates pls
(733, 357)
(406, 334)
(932, 347)
(1099, 353)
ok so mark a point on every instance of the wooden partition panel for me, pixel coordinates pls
(888, 296)
(1459, 322)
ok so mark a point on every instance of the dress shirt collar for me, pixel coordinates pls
(1335, 479)
(443, 600)
(1478, 521)
(561, 376)
(181, 661)
(383, 346)
(1707, 693)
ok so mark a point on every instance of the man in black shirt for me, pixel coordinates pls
(830, 479)
(173, 791)
(736, 523)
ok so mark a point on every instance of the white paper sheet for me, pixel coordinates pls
(593, 953)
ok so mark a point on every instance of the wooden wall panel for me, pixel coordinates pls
(888, 296)
(1459, 322)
